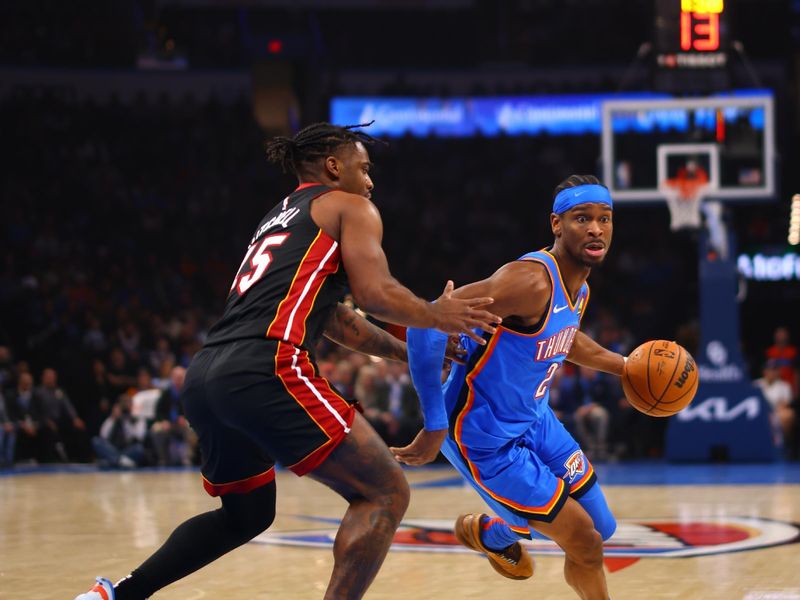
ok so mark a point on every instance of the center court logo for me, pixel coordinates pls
(633, 540)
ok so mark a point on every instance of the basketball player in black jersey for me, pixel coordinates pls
(253, 394)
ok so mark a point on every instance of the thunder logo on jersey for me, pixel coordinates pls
(557, 344)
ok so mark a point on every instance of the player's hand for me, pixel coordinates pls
(455, 351)
(423, 449)
(456, 315)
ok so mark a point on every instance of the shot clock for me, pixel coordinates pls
(691, 34)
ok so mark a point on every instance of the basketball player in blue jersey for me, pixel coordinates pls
(491, 418)
(254, 394)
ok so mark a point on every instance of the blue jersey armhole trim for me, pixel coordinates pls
(542, 324)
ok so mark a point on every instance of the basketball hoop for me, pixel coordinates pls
(686, 174)
(683, 200)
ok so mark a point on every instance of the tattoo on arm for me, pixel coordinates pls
(348, 322)
(348, 328)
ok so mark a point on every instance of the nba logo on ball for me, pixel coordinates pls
(660, 378)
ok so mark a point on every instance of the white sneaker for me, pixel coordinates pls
(126, 462)
(103, 590)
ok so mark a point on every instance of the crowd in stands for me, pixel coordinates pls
(82, 34)
(132, 418)
(123, 225)
(130, 421)
(780, 384)
(430, 34)
(135, 419)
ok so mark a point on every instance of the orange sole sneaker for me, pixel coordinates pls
(513, 562)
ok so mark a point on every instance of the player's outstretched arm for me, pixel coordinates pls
(349, 329)
(588, 353)
(380, 294)
(520, 289)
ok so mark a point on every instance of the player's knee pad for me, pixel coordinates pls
(594, 503)
(250, 513)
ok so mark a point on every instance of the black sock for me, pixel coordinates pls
(201, 540)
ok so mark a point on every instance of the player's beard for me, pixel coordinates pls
(579, 257)
(592, 262)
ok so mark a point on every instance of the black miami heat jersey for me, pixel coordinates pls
(290, 279)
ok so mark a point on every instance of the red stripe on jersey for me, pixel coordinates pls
(332, 413)
(321, 259)
(303, 186)
(328, 266)
(248, 484)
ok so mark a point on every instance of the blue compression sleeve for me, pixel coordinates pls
(426, 351)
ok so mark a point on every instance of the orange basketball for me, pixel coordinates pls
(660, 378)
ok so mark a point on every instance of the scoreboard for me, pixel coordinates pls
(691, 34)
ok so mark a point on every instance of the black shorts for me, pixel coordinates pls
(254, 402)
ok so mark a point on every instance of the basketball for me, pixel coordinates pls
(660, 378)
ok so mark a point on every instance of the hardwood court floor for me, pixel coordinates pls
(59, 530)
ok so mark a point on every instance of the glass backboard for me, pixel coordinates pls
(733, 134)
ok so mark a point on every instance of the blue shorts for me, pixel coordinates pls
(525, 479)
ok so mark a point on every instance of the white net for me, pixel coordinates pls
(684, 206)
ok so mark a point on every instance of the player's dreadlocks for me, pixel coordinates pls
(575, 181)
(312, 143)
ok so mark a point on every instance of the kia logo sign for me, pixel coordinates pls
(717, 409)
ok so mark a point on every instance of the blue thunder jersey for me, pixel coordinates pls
(503, 437)
(504, 387)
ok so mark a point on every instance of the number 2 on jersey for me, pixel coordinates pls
(260, 257)
(542, 389)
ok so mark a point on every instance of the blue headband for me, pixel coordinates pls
(571, 197)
